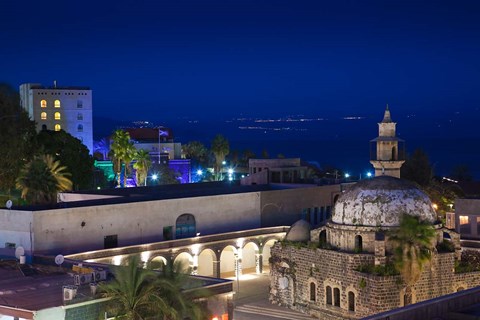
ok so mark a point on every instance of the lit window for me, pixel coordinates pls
(57, 116)
(79, 116)
(43, 116)
(58, 127)
(464, 225)
(79, 104)
(80, 128)
(43, 103)
(57, 103)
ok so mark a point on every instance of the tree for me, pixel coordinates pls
(168, 176)
(101, 147)
(71, 153)
(134, 292)
(141, 166)
(177, 275)
(220, 149)
(41, 179)
(417, 168)
(120, 149)
(413, 243)
(196, 151)
(17, 137)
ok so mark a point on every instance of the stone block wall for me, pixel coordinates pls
(373, 294)
(92, 311)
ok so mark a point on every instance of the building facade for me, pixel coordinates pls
(60, 108)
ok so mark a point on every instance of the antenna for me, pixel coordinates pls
(59, 260)
(9, 204)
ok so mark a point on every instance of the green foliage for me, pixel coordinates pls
(220, 149)
(138, 293)
(413, 244)
(41, 179)
(17, 137)
(445, 246)
(417, 168)
(122, 153)
(72, 153)
(196, 151)
(141, 167)
(362, 284)
(378, 270)
(167, 176)
(469, 262)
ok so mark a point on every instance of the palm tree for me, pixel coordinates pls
(134, 292)
(130, 154)
(413, 245)
(195, 150)
(180, 293)
(41, 179)
(141, 166)
(220, 149)
(120, 149)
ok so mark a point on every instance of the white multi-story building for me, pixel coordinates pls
(57, 108)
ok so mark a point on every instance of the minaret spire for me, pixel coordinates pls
(387, 151)
(386, 116)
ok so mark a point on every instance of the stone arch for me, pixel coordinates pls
(227, 261)
(117, 260)
(186, 260)
(249, 257)
(312, 290)
(358, 243)
(459, 286)
(333, 293)
(322, 238)
(156, 260)
(407, 296)
(266, 252)
(206, 260)
(352, 295)
(185, 226)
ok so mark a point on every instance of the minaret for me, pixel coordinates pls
(385, 155)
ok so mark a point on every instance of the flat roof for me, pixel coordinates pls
(151, 193)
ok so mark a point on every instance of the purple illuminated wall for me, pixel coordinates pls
(182, 166)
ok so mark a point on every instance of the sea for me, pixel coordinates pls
(339, 142)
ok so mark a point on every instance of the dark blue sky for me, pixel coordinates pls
(158, 59)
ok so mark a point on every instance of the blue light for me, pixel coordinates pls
(154, 177)
(199, 172)
(347, 175)
(369, 174)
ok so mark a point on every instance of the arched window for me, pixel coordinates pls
(460, 289)
(43, 103)
(58, 127)
(80, 128)
(185, 226)
(336, 297)
(323, 238)
(394, 153)
(44, 127)
(407, 297)
(358, 244)
(329, 295)
(58, 116)
(351, 301)
(43, 116)
(313, 291)
(57, 103)
(79, 116)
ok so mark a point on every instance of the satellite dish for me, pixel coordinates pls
(59, 259)
(19, 252)
(8, 204)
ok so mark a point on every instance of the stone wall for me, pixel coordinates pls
(92, 311)
(373, 294)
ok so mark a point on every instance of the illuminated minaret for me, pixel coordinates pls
(385, 155)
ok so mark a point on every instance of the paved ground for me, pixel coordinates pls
(251, 301)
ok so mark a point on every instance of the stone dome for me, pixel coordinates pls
(299, 232)
(381, 201)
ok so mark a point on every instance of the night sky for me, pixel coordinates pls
(155, 59)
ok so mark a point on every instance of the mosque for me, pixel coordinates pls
(345, 269)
